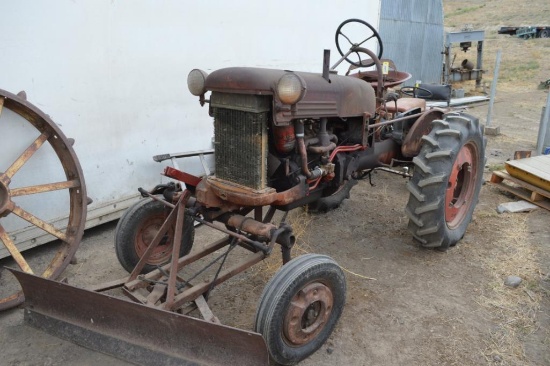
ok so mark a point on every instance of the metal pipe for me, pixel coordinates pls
(326, 65)
(493, 89)
(251, 226)
(322, 149)
(255, 244)
(380, 76)
(299, 130)
(479, 62)
(315, 140)
(323, 135)
(303, 156)
(544, 130)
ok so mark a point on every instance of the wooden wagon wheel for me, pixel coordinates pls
(13, 196)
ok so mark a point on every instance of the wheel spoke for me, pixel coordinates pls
(365, 40)
(15, 253)
(27, 154)
(39, 223)
(346, 37)
(45, 188)
(70, 184)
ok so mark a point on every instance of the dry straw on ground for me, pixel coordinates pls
(514, 311)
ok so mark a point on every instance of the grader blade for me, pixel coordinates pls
(134, 332)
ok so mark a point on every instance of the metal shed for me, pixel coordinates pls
(412, 32)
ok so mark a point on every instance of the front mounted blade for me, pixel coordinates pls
(132, 331)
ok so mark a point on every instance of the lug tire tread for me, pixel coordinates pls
(426, 206)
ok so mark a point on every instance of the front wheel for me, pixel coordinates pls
(138, 227)
(300, 307)
(447, 178)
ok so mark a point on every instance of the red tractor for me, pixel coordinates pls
(285, 139)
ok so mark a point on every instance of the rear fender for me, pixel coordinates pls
(422, 126)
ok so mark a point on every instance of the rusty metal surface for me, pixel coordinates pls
(182, 176)
(193, 292)
(461, 185)
(383, 153)
(156, 274)
(251, 226)
(244, 196)
(423, 126)
(285, 139)
(308, 312)
(135, 332)
(51, 135)
(405, 104)
(322, 99)
(393, 78)
(174, 218)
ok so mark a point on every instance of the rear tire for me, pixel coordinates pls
(300, 307)
(447, 178)
(137, 228)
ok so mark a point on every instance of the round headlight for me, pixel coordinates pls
(195, 82)
(291, 88)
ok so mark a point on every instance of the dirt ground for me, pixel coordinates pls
(405, 305)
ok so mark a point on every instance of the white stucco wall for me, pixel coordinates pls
(113, 73)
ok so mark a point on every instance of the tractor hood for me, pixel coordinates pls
(341, 97)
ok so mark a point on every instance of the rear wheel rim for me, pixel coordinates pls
(461, 185)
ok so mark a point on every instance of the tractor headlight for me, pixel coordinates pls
(291, 88)
(195, 82)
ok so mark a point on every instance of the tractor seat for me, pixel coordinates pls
(406, 104)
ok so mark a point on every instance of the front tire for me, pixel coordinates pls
(138, 227)
(300, 307)
(447, 178)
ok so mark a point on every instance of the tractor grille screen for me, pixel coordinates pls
(241, 147)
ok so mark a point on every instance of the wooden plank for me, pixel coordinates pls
(522, 183)
(205, 310)
(524, 190)
(535, 170)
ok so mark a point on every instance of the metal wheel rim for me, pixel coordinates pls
(461, 186)
(69, 236)
(146, 232)
(307, 314)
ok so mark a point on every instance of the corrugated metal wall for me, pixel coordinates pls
(412, 33)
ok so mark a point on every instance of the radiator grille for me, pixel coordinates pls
(241, 147)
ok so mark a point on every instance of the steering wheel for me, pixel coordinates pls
(369, 32)
(413, 91)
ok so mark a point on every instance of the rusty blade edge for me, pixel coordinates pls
(134, 332)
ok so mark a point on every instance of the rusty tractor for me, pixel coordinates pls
(282, 140)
